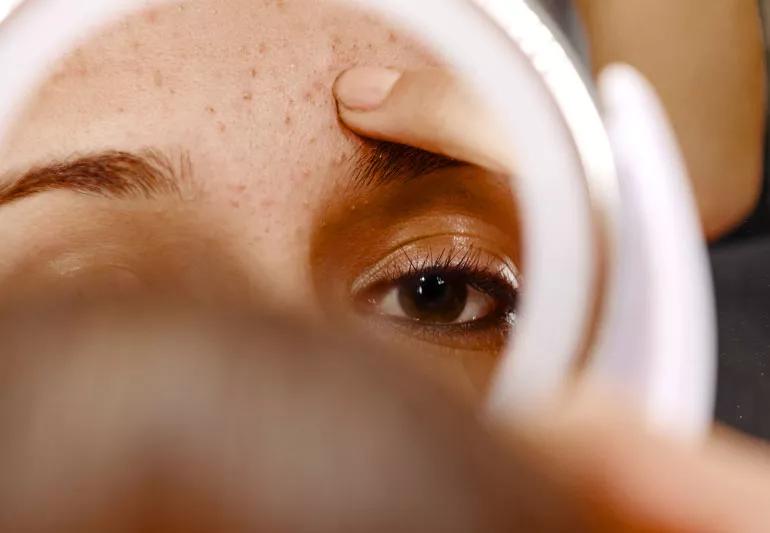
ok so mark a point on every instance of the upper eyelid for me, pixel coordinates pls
(453, 256)
(112, 173)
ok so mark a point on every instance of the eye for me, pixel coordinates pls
(437, 298)
(459, 286)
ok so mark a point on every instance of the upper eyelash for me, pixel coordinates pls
(466, 261)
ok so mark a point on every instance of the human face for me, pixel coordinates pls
(201, 137)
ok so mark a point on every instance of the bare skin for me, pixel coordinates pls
(706, 59)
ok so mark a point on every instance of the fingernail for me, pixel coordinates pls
(365, 88)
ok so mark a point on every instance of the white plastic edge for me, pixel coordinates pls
(659, 343)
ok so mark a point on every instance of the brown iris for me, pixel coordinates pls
(434, 298)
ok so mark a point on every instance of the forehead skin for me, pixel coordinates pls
(244, 86)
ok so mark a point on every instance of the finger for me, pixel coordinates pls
(628, 478)
(429, 109)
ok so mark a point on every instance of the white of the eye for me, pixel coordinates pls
(477, 306)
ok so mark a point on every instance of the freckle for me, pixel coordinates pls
(287, 119)
(247, 96)
(392, 37)
(235, 203)
(313, 140)
(221, 127)
(262, 48)
(210, 110)
(240, 188)
(253, 73)
(171, 91)
(370, 46)
(151, 17)
(157, 78)
(121, 110)
(281, 4)
(266, 203)
(292, 101)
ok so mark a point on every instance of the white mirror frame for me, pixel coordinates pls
(569, 200)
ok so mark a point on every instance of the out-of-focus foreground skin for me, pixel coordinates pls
(706, 59)
(119, 414)
(160, 415)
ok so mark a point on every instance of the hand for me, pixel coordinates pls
(623, 476)
(429, 109)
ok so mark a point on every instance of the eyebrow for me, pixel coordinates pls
(112, 174)
(151, 173)
(378, 163)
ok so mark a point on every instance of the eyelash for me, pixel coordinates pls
(467, 263)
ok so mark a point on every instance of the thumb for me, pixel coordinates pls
(430, 109)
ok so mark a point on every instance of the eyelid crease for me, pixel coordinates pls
(113, 174)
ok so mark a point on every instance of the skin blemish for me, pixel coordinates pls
(262, 48)
(210, 110)
(308, 97)
(151, 16)
(121, 110)
(313, 140)
(392, 38)
(287, 119)
(221, 127)
(157, 78)
(235, 203)
(341, 159)
(253, 73)
(247, 96)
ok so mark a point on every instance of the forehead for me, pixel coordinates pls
(237, 82)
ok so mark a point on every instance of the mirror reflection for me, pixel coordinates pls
(179, 145)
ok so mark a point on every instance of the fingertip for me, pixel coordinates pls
(365, 88)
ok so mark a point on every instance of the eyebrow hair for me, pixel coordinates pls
(150, 172)
(378, 163)
(113, 174)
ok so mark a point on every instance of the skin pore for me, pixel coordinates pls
(201, 139)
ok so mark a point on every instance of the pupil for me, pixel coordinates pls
(433, 298)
